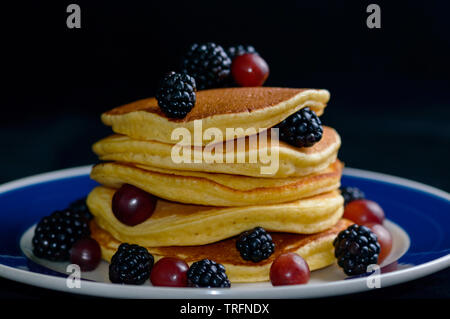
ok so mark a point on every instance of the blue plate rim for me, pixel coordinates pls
(356, 172)
(341, 287)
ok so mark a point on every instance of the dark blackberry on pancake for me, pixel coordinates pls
(208, 63)
(301, 129)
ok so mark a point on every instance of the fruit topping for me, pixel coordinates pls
(384, 239)
(249, 69)
(131, 264)
(86, 253)
(176, 94)
(255, 245)
(362, 211)
(289, 269)
(208, 63)
(351, 193)
(237, 50)
(169, 272)
(79, 206)
(207, 273)
(55, 234)
(301, 129)
(132, 205)
(356, 248)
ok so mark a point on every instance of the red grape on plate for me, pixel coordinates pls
(169, 272)
(289, 269)
(86, 253)
(384, 239)
(362, 211)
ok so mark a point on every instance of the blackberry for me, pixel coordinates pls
(207, 273)
(301, 129)
(351, 193)
(255, 245)
(79, 206)
(356, 248)
(131, 264)
(176, 94)
(208, 63)
(55, 234)
(240, 49)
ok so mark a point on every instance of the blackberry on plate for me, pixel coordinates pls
(208, 63)
(79, 206)
(301, 129)
(240, 49)
(255, 245)
(176, 94)
(207, 273)
(356, 248)
(55, 234)
(131, 264)
(351, 193)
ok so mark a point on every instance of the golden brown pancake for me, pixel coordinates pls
(293, 161)
(316, 249)
(185, 225)
(249, 107)
(217, 189)
(219, 101)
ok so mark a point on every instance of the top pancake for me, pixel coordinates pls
(248, 107)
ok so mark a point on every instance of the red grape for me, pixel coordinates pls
(86, 253)
(170, 272)
(362, 211)
(384, 239)
(289, 269)
(132, 205)
(249, 70)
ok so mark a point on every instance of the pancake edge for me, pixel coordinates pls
(141, 124)
(209, 224)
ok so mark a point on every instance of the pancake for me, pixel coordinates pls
(292, 161)
(316, 249)
(217, 189)
(181, 224)
(249, 107)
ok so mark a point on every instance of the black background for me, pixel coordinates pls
(390, 86)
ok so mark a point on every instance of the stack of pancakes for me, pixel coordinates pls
(203, 206)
